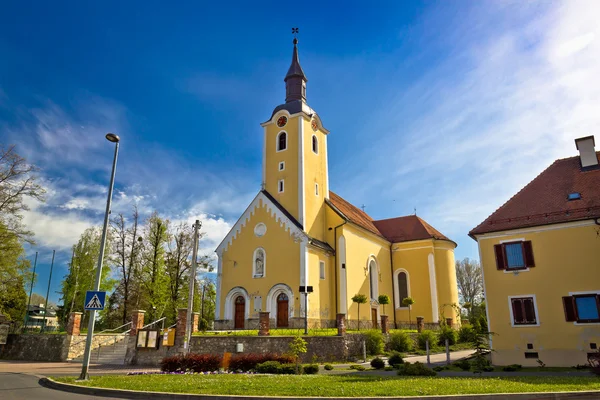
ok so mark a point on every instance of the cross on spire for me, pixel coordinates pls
(295, 32)
(363, 207)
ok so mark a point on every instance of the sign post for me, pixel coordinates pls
(306, 290)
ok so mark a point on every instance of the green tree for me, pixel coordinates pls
(383, 299)
(297, 347)
(14, 273)
(359, 299)
(408, 302)
(153, 277)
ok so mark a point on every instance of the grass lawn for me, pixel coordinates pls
(331, 385)
(440, 349)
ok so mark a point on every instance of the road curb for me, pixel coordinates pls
(130, 394)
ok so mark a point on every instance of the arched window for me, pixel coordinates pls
(258, 262)
(402, 286)
(373, 280)
(281, 141)
(315, 144)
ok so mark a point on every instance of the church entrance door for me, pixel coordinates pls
(374, 317)
(240, 309)
(282, 310)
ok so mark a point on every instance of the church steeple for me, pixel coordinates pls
(295, 80)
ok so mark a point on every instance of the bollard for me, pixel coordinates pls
(364, 346)
(447, 353)
(427, 350)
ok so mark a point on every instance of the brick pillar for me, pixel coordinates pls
(195, 321)
(137, 321)
(449, 322)
(420, 324)
(74, 323)
(263, 324)
(384, 324)
(341, 324)
(181, 319)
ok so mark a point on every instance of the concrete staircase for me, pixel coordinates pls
(108, 354)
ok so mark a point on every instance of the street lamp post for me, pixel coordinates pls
(111, 137)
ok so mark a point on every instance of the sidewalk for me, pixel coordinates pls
(435, 359)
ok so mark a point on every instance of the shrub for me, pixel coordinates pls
(416, 369)
(248, 362)
(489, 368)
(400, 341)
(377, 363)
(465, 365)
(439, 368)
(467, 334)
(395, 359)
(446, 332)
(357, 367)
(311, 369)
(374, 342)
(268, 367)
(191, 362)
(511, 368)
(424, 336)
(388, 368)
(287, 369)
(203, 325)
(328, 367)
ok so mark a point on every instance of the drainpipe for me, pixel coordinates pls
(337, 306)
(393, 283)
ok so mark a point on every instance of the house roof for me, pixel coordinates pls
(545, 200)
(400, 229)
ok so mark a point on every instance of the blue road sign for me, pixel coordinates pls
(94, 300)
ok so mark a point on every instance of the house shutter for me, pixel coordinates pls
(570, 310)
(500, 258)
(517, 306)
(528, 250)
(529, 311)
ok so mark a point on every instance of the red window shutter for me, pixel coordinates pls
(517, 306)
(500, 258)
(529, 311)
(570, 309)
(528, 250)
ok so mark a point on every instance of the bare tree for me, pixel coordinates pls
(177, 261)
(470, 281)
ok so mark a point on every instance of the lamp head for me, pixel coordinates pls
(111, 137)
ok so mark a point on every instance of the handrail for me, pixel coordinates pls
(114, 329)
(155, 322)
(172, 326)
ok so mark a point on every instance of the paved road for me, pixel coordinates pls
(18, 386)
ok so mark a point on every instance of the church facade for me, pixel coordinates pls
(297, 233)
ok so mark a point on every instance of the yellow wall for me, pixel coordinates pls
(447, 289)
(566, 260)
(322, 300)
(289, 198)
(282, 260)
(315, 170)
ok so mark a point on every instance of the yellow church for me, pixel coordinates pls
(297, 233)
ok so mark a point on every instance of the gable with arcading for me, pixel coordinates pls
(264, 200)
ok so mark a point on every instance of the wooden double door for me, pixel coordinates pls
(240, 312)
(282, 311)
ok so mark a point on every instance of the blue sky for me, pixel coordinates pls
(450, 107)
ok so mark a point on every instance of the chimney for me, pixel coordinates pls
(587, 153)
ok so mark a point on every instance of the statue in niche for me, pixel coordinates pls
(259, 264)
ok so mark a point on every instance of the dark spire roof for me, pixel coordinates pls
(295, 80)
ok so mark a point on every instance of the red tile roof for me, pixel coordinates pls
(545, 199)
(400, 229)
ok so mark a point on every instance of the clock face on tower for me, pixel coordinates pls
(314, 125)
(281, 121)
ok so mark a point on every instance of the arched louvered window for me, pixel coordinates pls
(315, 144)
(282, 141)
(402, 286)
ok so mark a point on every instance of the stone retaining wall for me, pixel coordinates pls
(77, 344)
(36, 347)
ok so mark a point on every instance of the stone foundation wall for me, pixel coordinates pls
(36, 347)
(293, 323)
(77, 344)
(324, 348)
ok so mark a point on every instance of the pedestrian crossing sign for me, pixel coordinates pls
(94, 300)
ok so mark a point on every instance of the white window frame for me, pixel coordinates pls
(597, 292)
(312, 140)
(373, 283)
(281, 165)
(254, 264)
(322, 270)
(277, 141)
(280, 186)
(535, 308)
(398, 304)
(514, 271)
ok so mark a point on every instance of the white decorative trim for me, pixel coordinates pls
(264, 160)
(512, 240)
(303, 274)
(341, 250)
(301, 187)
(260, 230)
(254, 263)
(287, 137)
(323, 275)
(597, 292)
(326, 167)
(276, 290)
(261, 201)
(281, 166)
(535, 307)
(230, 302)
(487, 308)
(280, 186)
(219, 279)
(375, 283)
(398, 304)
(535, 229)
(414, 248)
(517, 270)
(433, 288)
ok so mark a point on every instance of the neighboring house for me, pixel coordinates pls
(35, 317)
(540, 254)
(298, 233)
